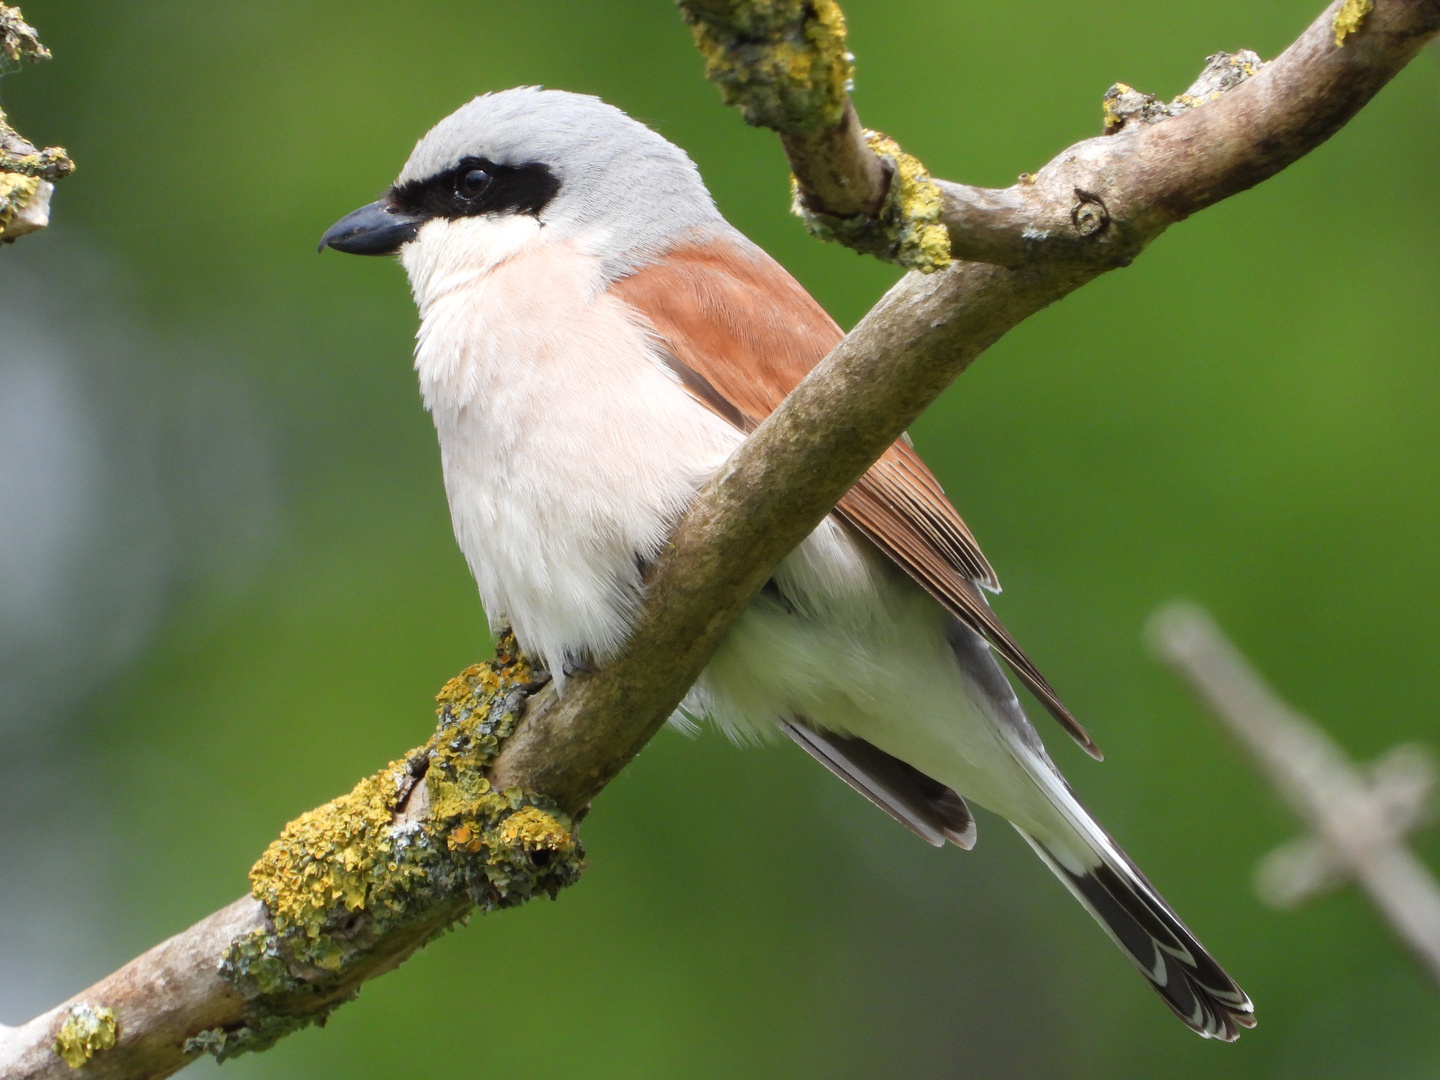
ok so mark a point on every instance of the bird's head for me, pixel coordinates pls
(527, 165)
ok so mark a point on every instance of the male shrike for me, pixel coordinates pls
(594, 340)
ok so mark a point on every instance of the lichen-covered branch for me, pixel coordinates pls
(1101, 201)
(27, 173)
(786, 66)
(906, 228)
(352, 888)
(923, 333)
(253, 969)
(347, 892)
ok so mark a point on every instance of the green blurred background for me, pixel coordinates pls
(228, 586)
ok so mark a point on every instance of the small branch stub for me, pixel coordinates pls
(18, 39)
(1223, 71)
(1088, 215)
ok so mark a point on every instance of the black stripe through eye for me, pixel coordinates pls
(477, 186)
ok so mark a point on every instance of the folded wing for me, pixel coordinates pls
(740, 333)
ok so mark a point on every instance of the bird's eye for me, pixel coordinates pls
(470, 183)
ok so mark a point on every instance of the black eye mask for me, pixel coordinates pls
(476, 186)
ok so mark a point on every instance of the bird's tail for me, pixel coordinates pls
(1140, 922)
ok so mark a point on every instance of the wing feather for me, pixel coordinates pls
(740, 333)
(926, 807)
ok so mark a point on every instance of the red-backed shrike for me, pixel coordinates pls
(594, 340)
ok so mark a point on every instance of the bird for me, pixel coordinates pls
(595, 339)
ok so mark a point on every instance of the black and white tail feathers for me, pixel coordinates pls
(1084, 857)
(1148, 931)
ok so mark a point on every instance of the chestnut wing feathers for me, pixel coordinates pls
(740, 333)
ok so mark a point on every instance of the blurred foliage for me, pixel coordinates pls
(1247, 416)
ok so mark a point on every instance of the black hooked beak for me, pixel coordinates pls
(372, 230)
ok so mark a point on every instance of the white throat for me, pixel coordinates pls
(448, 254)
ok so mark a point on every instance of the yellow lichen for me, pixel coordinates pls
(1113, 118)
(338, 853)
(17, 155)
(535, 830)
(356, 868)
(87, 1030)
(16, 191)
(1223, 71)
(924, 241)
(18, 41)
(1246, 62)
(782, 62)
(1348, 19)
(908, 229)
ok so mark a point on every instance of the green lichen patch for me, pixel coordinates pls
(261, 1034)
(87, 1030)
(783, 63)
(908, 231)
(1348, 19)
(359, 876)
(258, 965)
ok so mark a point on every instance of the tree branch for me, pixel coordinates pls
(1103, 200)
(1093, 208)
(27, 174)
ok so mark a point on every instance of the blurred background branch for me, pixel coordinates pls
(1358, 816)
(27, 173)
